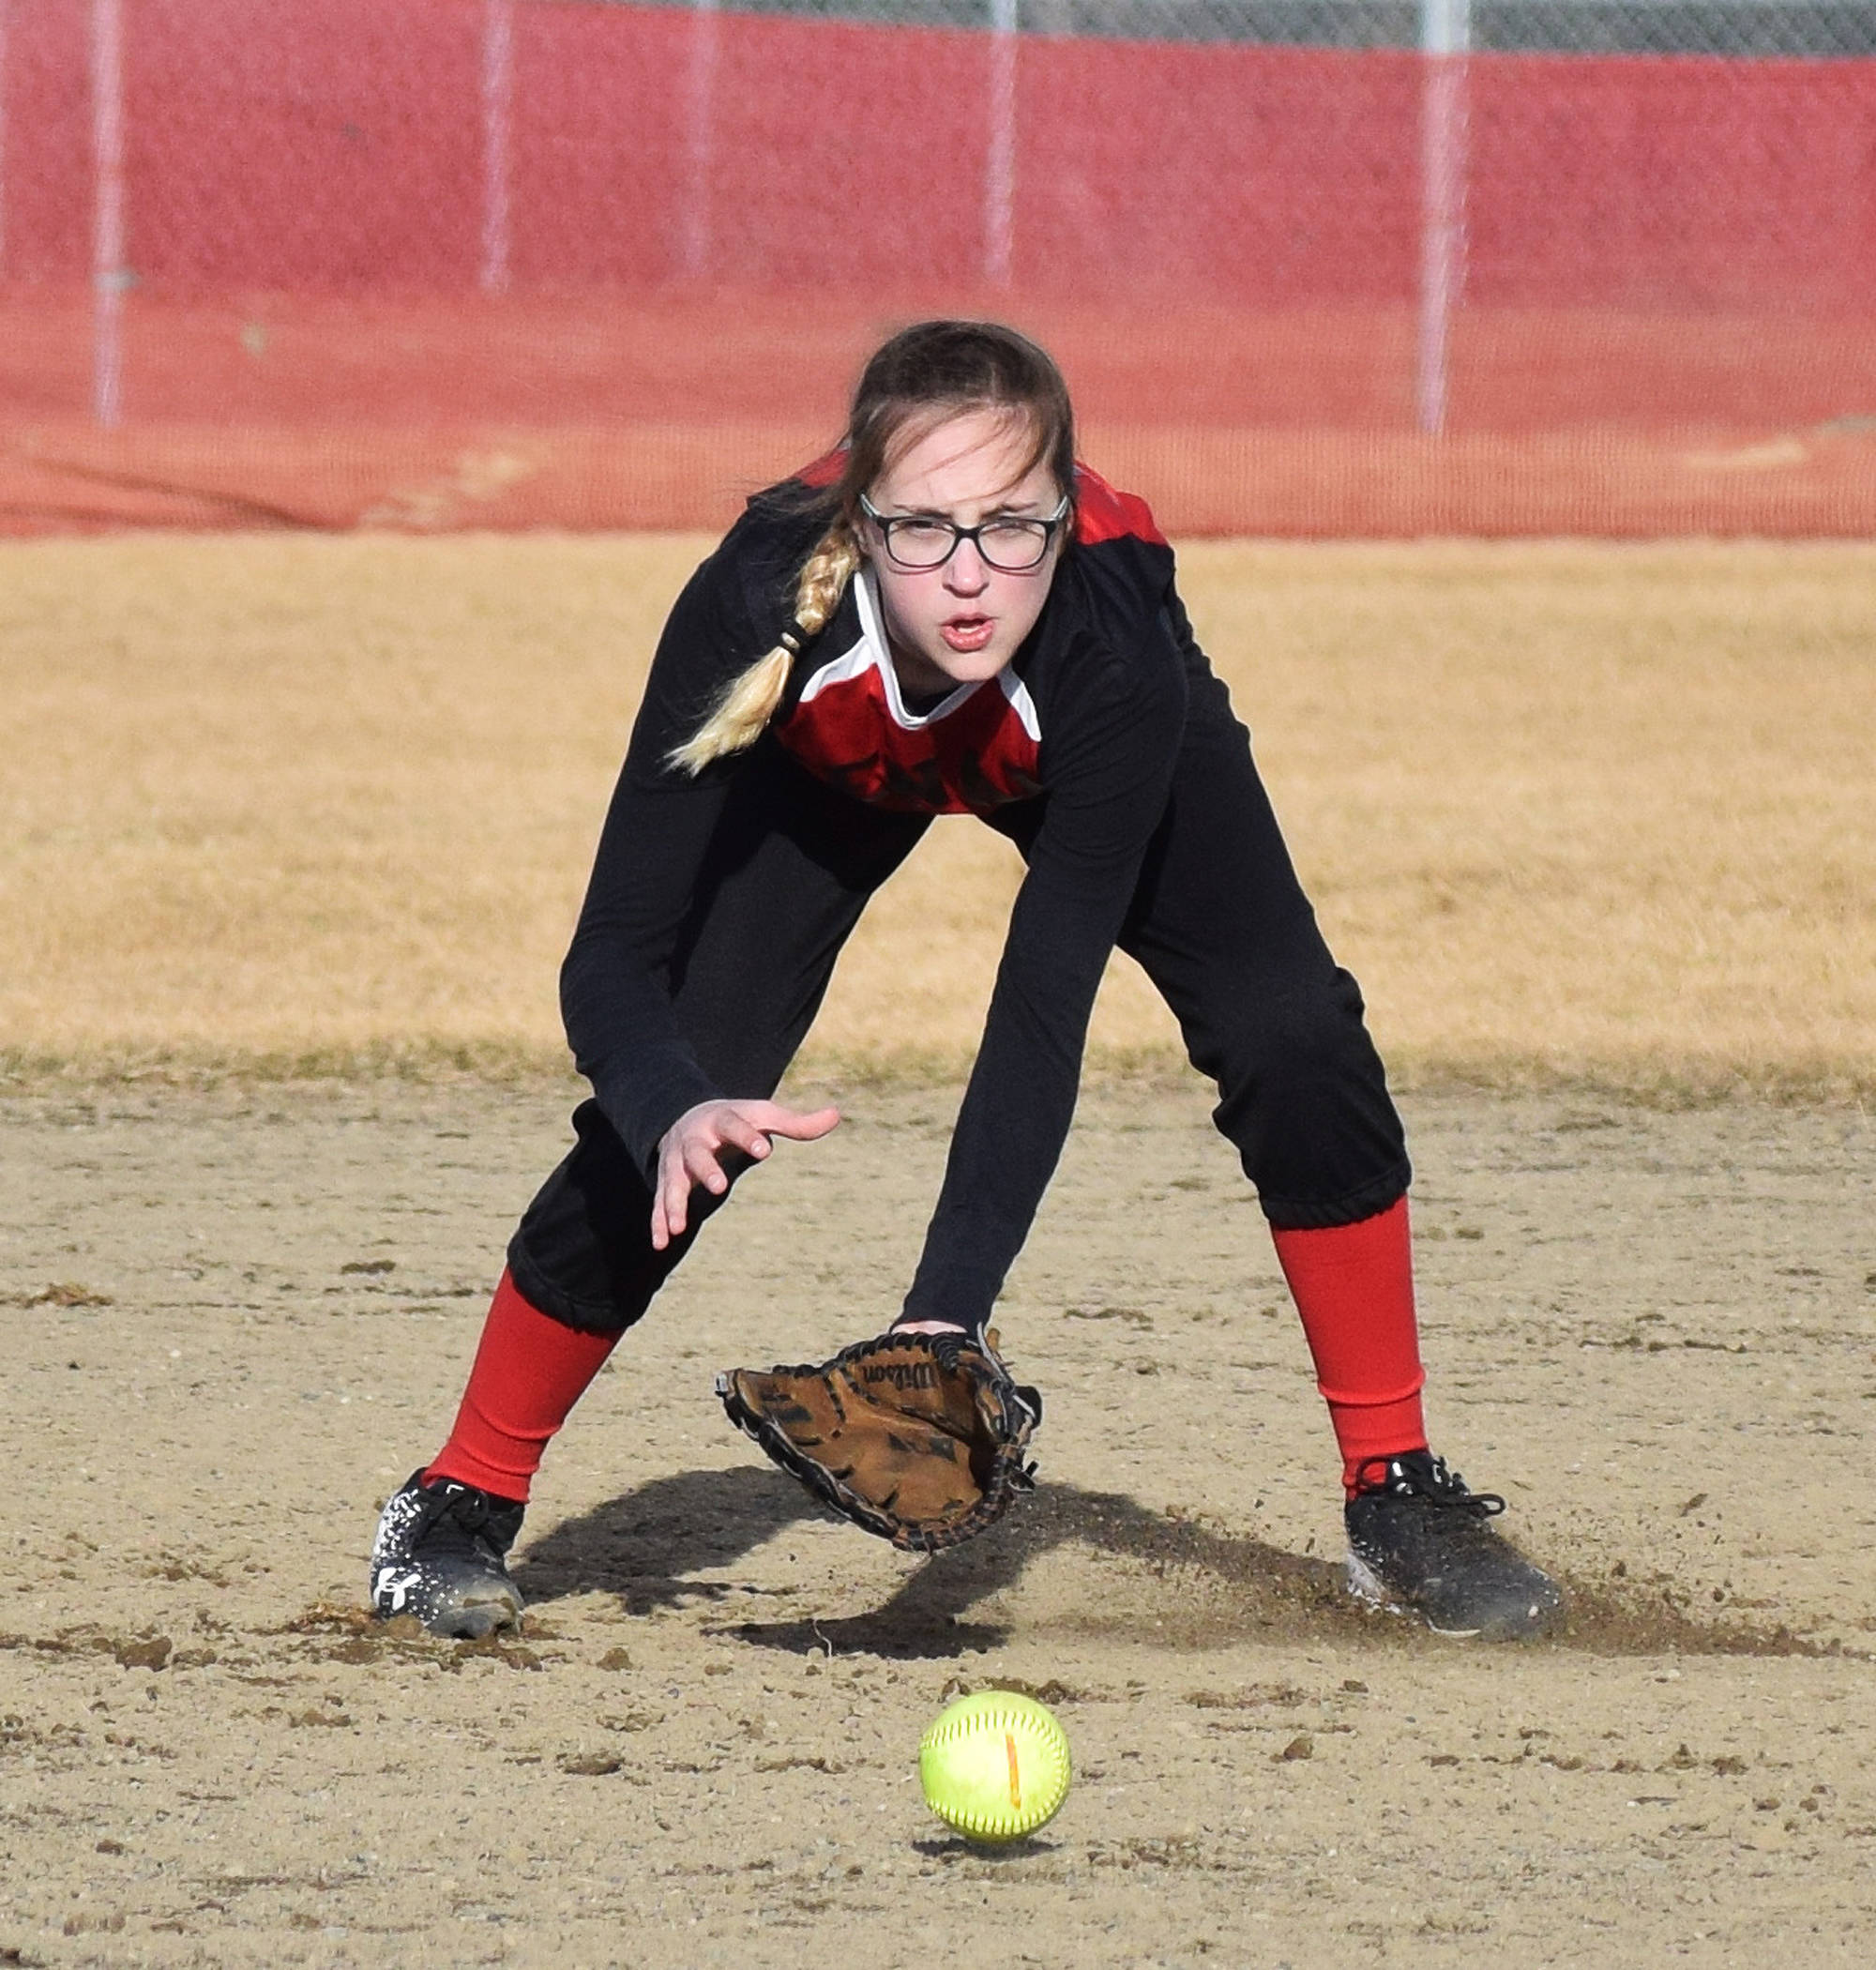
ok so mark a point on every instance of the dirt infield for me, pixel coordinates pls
(1567, 811)
(237, 1319)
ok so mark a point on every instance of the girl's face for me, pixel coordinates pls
(961, 621)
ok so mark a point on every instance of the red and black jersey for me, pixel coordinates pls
(1083, 724)
(848, 724)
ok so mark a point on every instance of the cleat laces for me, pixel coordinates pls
(1426, 1478)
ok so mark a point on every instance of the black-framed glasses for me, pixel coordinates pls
(1012, 543)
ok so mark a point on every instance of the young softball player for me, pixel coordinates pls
(948, 614)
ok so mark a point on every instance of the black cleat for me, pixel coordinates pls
(440, 1554)
(1419, 1544)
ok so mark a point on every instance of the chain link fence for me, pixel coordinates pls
(1313, 267)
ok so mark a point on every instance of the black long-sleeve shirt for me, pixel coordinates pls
(1085, 723)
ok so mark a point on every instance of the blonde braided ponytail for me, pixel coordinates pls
(741, 715)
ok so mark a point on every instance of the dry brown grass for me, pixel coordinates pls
(1567, 809)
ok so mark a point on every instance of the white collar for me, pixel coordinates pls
(879, 653)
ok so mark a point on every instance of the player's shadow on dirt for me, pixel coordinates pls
(1175, 1583)
(1180, 1583)
(647, 1546)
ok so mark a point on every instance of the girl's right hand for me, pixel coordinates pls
(688, 1152)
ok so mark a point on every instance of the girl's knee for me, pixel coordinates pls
(1300, 1039)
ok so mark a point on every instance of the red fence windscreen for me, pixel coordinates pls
(509, 262)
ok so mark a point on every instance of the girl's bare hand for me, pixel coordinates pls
(688, 1152)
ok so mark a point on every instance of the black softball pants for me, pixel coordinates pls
(1218, 922)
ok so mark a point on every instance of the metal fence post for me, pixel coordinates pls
(694, 223)
(3, 136)
(109, 275)
(498, 61)
(1000, 158)
(1445, 35)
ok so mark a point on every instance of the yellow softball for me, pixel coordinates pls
(995, 1766)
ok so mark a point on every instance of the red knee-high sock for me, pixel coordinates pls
(529, 1372)
(1354, 1286)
